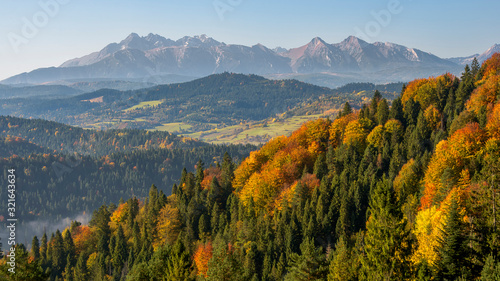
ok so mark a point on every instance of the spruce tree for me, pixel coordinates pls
(120, 252)
(343, 266)
(346, 110)
(35, 249)
(411, 111)
(396, 111)
(69, 246)
(80, 271)
(43, 250)
(382, 112)
(374, 105)
(68, 270)
(453, 250)
(57, 257)
(385, 240)
(309, 265)
(475, 67)
(320, 167)
(491, 270)
(227, 170)
(178, 263)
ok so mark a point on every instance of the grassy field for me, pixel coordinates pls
(144, 104)
(173, 127)
(114, 123)
(255, 132)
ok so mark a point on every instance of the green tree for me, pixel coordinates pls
(382, 112)
(25, 269)
(386, 245)
(179, 262)
(223, 266)
(80, 271)
(411, 111)
(344, 266)
(374, 105)
(346, 110)
(35, 249)
(43, 250)
(491, 270)
(120, 252)
(68, 270)
(69, 247)
(57, 257)
(311, 264)
(454, 251)
(396, 111)
(320, 167)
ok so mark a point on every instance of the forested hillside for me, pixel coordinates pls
(212, 102)
(55, 186)
(61, 138)
(18, 146)
(66, 171)
(401, 191)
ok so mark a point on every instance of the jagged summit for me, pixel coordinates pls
(139, 57)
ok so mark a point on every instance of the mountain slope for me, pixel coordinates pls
(38, 91)
(480, 57)
(138, 57)
(354, 54)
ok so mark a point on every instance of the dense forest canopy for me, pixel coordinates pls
(400, 191)
(67, 171)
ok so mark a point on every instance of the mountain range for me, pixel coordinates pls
(153, 57)
(480, 57)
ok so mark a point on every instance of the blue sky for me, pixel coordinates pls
(75, 28)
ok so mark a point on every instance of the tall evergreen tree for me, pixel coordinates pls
(385, 240)
(454, 252)
(311, 264)
(382, 112)
(120, 252)
(320, 167)
(179, 263)
(57, 257)
(68, 270)
(35, 249)
(69, 246)
(43, 250)
(80, 271)
(396, 111)
(346, 110)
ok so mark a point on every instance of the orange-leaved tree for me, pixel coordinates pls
(202, 255)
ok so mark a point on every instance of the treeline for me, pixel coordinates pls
(16, 145)
(400, 192)
(358, 87)
(220, 98)
(61, 138)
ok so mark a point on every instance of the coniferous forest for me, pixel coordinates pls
(395, 190)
